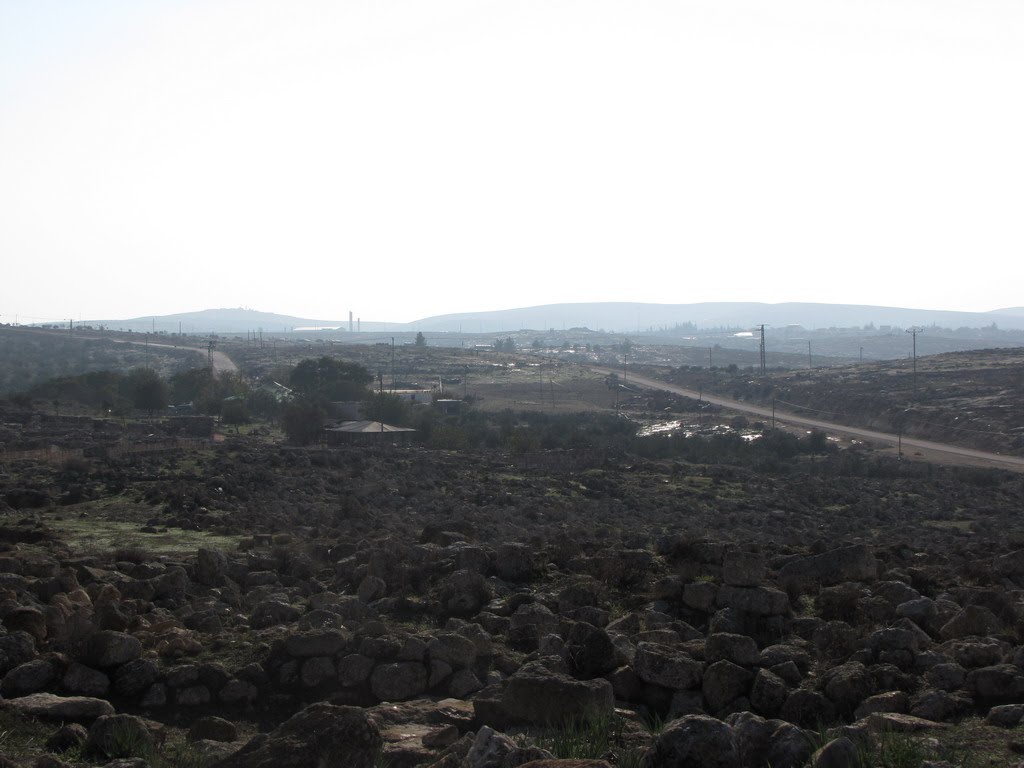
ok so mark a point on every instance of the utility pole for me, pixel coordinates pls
(809, 364)
(773, 413)
(392, 363)
(913, 332)
(710, 364)
(762, 347)
(862, 354)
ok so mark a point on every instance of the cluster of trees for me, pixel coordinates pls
(143, 389)
(317, 382)
(107, 391)
(508, 344)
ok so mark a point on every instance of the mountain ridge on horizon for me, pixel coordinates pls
(621, 317)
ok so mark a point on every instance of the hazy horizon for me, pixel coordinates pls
(405, 160)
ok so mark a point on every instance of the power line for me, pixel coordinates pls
(914, 331)
(762, 347)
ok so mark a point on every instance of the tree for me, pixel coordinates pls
(330, 379)
(147, 391)
(507, 344)
(302, 421)
(233, 411)
(421, 340)
(386, 407)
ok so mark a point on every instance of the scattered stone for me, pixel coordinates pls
(212, 728)
(536, 694)
(345, 738)
(111, 649)
(67, 737)
(694, 741)
(48, 706)
(667, 667)
(119, 736)
(838, 753)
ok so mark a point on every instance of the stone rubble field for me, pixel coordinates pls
(416, 608)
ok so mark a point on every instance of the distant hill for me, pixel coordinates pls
(219, 321)
(620, 317)
(1012, 311)
(629, 317)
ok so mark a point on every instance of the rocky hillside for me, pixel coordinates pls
(408, 607)
(967, 398)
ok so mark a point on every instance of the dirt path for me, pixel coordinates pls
(927, 450)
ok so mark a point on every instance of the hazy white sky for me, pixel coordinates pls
(404, 159)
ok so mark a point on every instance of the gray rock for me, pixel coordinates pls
(739, 649)
(851, 563)
(155, 696)
(398, 681)
(743, 569)
(589, 650)
(211, 567)
(890, 701)
(133, 678)
(47, 706)
(67, 737)
(972, 620)
(455, 650)
(85, 681)
(774, 743)
(345, 738)
(946, 676)
(213, 729)
(119, 736)
(238, 692)
(326, 642)
(463, 683)
(838, 753)
(768, 694)
(694, 741)
(489, 749)
(354, 669)
(317, 670)
(723, 682)
(921, 611)
(807, 709)
(537, 694)
(16, 648)
(847, 685)
(27, 619)
(516, 562)
(1005, 716)
(193, 696)
(666, 667)
(111, 649)
(270, 613)
(758, 601)
(371, 588)
(701, 596)
(1000, 682)
(465, 592)
(28, 678)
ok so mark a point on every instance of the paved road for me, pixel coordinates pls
(221, 362)
(927, 450)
